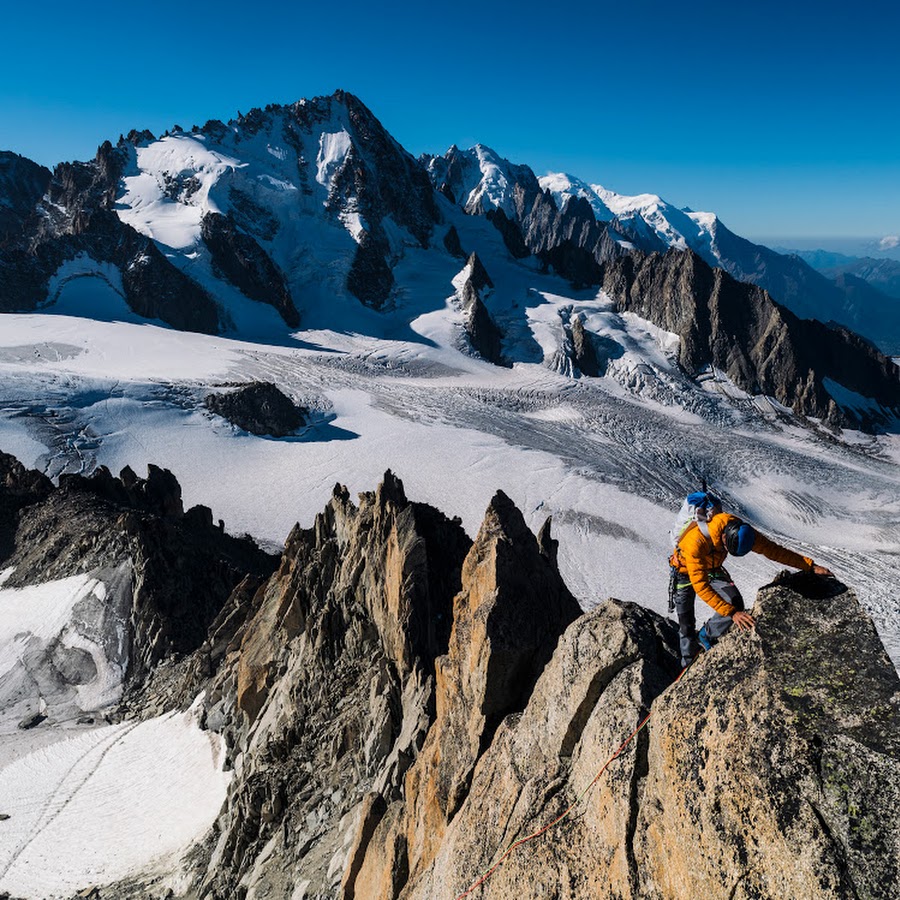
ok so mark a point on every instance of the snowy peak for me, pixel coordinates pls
(329, 155)
(286, 207)
(479, 179)
(482, 182)
(562, 187)
(644, 220)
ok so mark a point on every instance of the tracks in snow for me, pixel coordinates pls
(70, 782)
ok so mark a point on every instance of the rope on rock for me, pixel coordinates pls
(506, 854)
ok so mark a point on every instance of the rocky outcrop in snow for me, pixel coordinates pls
(482, 332)
(584, 354)
(259, 408)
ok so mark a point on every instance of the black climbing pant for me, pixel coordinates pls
(684, 597)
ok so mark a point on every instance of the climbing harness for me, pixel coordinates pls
(506, 853)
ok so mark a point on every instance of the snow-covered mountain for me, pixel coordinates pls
(645, 221)
(451, 319)
(481, 181)
(310, 213)
(319, 187)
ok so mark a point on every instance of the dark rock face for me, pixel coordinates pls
(510, 232)
(761, 346)
(483, 334)
(259, 408)
(183, 566)
(452, 243)
(479, 276)
(585, 356)
(370, 278)
(80, 220)
(19, 488)
(22, 272)
(22, 185)
(156, 289)
(327, 684)
(808, 293)
(247, 266)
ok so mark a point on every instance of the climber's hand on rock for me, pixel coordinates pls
(821, 570)
(744, 620)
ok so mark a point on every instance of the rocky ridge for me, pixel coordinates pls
(167, 571)
(401, 703)
(569, 225)
(761, 346)
(723, 319)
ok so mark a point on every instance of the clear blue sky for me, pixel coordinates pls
(781, 117)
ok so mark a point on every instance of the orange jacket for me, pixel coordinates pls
(698, 555)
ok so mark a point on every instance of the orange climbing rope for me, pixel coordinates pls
(483, 878)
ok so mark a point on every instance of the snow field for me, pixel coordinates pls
(606, 462)
(106, 804)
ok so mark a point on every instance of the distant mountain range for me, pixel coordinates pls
(302, 214)
(882, 274)
(481, 181)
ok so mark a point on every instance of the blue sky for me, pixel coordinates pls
(781, 117)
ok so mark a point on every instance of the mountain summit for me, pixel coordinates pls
(312, 215)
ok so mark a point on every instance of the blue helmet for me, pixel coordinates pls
(739, 537)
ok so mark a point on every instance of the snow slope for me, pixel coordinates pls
(107, 803)
(84, 804)
(63, 647)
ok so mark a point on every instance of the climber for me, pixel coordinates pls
(696, 570)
